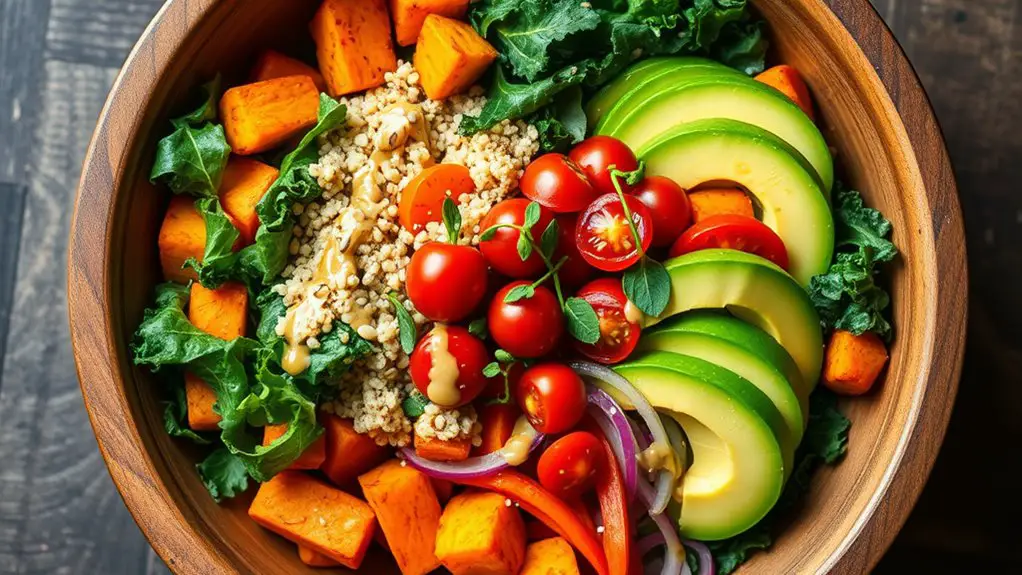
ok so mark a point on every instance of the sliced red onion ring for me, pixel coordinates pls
(468, 469)
(674, 556)
(605, 378)
(706, 564)
(618, 430)
(649, 542)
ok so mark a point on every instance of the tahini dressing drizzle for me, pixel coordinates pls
(516, 450)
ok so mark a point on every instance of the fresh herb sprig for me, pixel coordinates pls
(581, 319)
(646, 283)
(408, 331)
(502, 366)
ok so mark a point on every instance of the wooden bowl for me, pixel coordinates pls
(877, 117)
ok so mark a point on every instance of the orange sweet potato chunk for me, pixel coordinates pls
(182, 236)
(450, 56)
(408, 513)
(714, 202)
(409, 14)
(258, 117)
(348, 453)
(789, 82)
(200, 398)
(853, 362)
(353, 44)
(311, 458)
(223, 313)
(481, 535)
(316, 516)
(550, 557)
(436, 450)
(315, 559)
(245, 182)
(272, 65)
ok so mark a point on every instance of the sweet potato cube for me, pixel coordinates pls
(408, 15)
(353, 44)
(245, 182)
(789, 82)
(272, 65)
(853, 362)
(316, 516)
(311, 458)
(315, 559)
(450, 56)
(259, 117)
(550, 557)
(714, 202)
(182, 236)
(436, 450)
(348, 453)
(408, 513)
(498, 423)
(480, 534)
(200, 398)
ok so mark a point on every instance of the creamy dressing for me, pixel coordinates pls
(516, 450)
(632, 312)
(659, 456)
(443, 374)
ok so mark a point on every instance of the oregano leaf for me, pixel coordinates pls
(521, 292)
(648, 285)
(582, 321)
(524, 247)
(414, 405)
(478, 328)
(503, 356)
(488, 233)
(408, 332)
(532, 213)
(492, 369)
(452, 220)
(548, 242)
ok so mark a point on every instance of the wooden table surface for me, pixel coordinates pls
(59, 511)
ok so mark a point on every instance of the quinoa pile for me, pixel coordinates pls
(372, 391)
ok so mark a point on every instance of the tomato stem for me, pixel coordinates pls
(614, 175)
(551, 268)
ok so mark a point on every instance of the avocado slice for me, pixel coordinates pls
(662, 104)
(642, 72)
(738, 463)
(793, 204)
(755, 291)
(743, 349)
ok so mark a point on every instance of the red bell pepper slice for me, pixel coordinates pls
(546, 507)
(610, 490)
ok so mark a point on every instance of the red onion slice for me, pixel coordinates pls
(470, 468)
(706, 564)
(618, 431)
(604, 378)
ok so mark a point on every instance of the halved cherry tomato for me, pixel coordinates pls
(618, 335)
(555, 182)
(422, 199)
(736, 233)
(568, 467)
(469, 353)
(668, 204)
(446, 282)
(501, 251)
(604, 238)
(552, 396)
(529, 327)
(597, 155)
(575, 270)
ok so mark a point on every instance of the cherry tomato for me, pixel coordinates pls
(668, 204)
(618, 335)
(552, 396)
(469, 353)
(501, 251)
(575, 270)
(446, 282)
(733, 232)
(597, 155)
(568, 467)
(604, 238)
(529, 327)
(557, 183)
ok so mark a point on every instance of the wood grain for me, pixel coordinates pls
(902, 169)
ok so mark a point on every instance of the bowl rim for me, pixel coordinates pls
(94, 339)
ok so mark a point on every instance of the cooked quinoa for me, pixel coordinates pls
(372, 391)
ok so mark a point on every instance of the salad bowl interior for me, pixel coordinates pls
(883, 134)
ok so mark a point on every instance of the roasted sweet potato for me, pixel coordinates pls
(436, 450)
(259, 117)
(311, 458)
(716, 201)
(498, 423)
(450, 56)
(788, 81)
(348, 453)
(409, 14)
(550, 557)
(316, 516)
(182, 236)
(223, 313)
(272, 65)
(245, 182)
(408, 513)
(315, 559)
(353, 44)
(200, 397)
(853, 362)
(481, 533)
